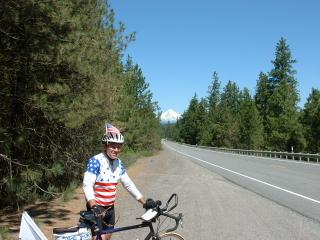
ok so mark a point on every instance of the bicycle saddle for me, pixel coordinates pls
(65, 230)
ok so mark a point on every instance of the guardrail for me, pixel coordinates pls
(281, 155)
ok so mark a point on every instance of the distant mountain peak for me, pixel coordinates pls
(170, 116)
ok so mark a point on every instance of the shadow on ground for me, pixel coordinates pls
(42, 213)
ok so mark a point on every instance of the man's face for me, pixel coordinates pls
(113, 150)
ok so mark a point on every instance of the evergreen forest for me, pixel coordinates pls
(271, 119)
(63, 76)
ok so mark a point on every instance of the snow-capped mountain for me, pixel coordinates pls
(170, 116)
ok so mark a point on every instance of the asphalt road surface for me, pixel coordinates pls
(226, 196)
(290, 183)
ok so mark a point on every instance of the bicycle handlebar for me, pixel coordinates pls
(175, 196)
(165, 211)
(176, 218)
(91, 219)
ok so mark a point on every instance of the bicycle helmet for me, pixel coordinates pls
(112, 135)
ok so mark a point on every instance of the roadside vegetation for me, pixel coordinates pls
(63, 76)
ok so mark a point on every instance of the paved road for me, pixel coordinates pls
(213, 206)
(289, 183)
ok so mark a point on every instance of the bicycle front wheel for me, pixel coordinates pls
(171, 235)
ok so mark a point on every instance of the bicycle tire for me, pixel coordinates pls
(171, 235)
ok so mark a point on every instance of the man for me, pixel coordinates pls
(103, 173)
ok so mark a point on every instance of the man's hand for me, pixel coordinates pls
(98, 211)
(150, 203)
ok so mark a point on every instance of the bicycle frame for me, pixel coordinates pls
(130, 227)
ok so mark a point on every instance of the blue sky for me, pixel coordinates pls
(180, 43)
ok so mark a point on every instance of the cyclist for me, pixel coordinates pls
(102, 175)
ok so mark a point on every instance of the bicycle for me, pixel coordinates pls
(89, 221)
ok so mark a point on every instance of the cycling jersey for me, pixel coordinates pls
(101, 179)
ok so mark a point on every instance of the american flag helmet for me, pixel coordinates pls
(112, 135)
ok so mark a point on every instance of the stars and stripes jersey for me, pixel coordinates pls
(101, 179)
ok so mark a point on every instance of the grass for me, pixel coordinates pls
(5, 234)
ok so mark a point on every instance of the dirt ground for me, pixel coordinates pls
(53, 214)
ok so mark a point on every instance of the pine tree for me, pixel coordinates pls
(283, 128)
(213, 99)
(311, 121)
(214, 92)
(263, 93)
(230, 96)
(227, 124)
(283, 69)
(189, 128)
(251, 127)
(137, 111)
(203, 122)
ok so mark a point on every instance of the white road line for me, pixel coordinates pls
(245, 176)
